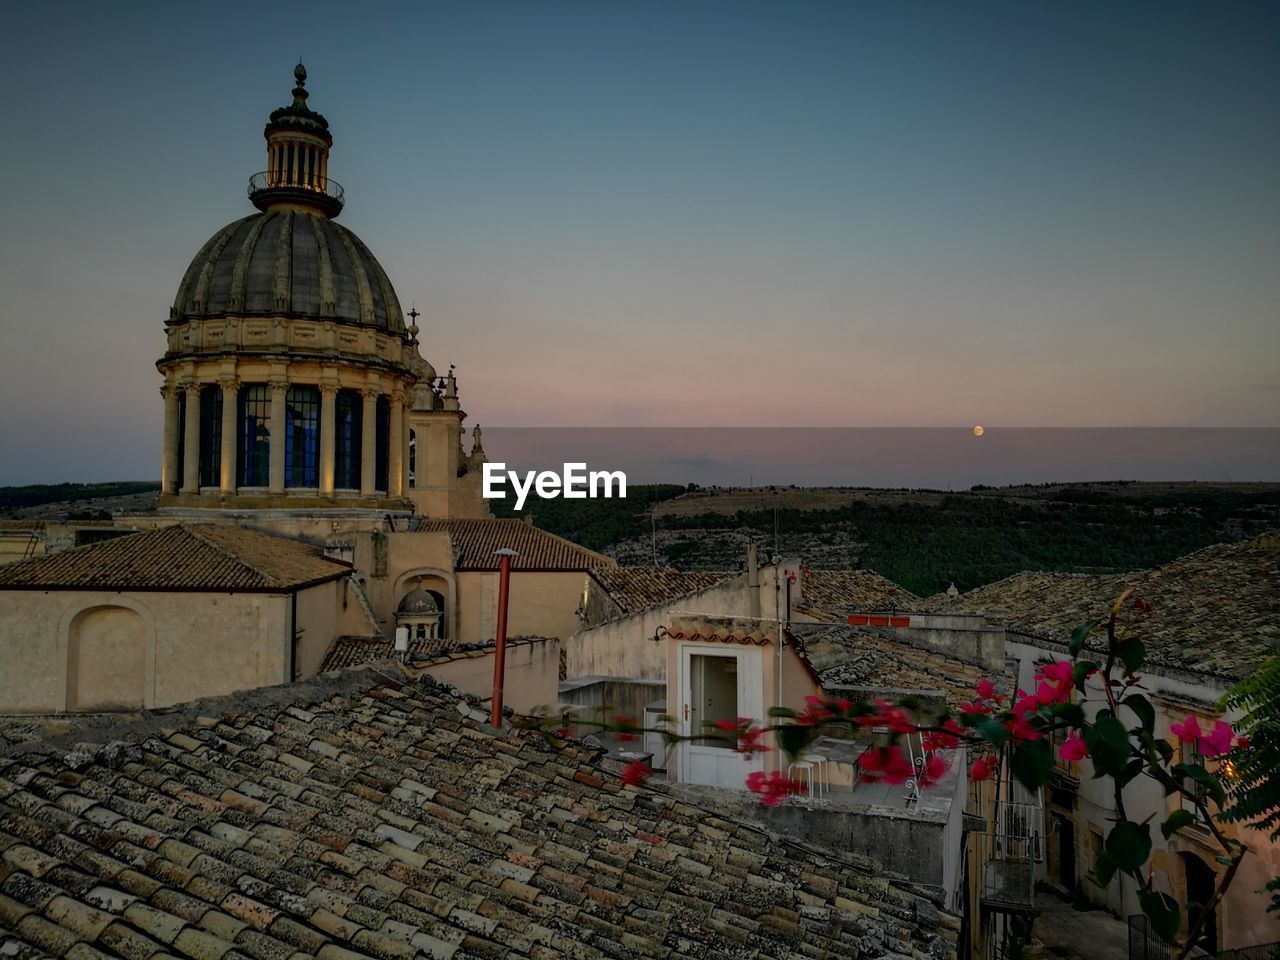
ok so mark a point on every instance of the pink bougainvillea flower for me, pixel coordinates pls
(727, 724)
(985, 689)
(945, 739)
(1218, 740)
(1060, 671)
(1073, 748)
(635, 773)
(1025, 705)
(815, 712)
(935, 768)
(1020, 728)
(980, 769)
(749, 743)
(976, 707)
(626, 728)
(884, 763)
(1187, 731)
(772, 788)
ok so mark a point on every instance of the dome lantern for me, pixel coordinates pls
(298, 144)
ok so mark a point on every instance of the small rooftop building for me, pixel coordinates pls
(156, 618)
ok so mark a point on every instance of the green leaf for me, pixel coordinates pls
(1202, 776)
(1108, 743)
(1177, 820)
(1104, 868)
(1079, 634)
(1163, 912)
(1133, 653)
(1080, 672)
(1032, 763)
(1131, 770)
(793, 738)
(1070, 713)
(785, 713)
(1129, 845)
(993, 730)
(1142, 709)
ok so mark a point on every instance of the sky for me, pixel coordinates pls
(672, 214)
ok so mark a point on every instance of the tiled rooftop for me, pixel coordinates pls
(355, 651)
(474, 542)
(869, 657)
(204, 556)
(639, 588)
(1214, 611)
(844, 591)
(365, 815)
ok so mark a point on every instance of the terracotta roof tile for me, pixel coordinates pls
(474, 543)
(639, 588)
(205, 556)
(1214, 611)
(869, 657)
(844, 591)
(435, 837)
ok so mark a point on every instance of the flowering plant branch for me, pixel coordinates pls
(1094, 702)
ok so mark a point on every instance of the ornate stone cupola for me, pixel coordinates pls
(298, 144)
(291, 380)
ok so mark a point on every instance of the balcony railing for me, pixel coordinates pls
(269, 185)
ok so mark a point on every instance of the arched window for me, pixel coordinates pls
(253, 440)
(347, 440)
(413, 458)
(382, 444)
(302, 437)
(210, 435)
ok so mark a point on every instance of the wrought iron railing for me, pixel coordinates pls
(301, 181)
(1146, 944)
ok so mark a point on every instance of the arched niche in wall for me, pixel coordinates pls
(443, 584)
(110, 656)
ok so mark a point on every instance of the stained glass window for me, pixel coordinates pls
(302, 437)
(210, 436)
(347, 440)
(253, 445)
(383, 443)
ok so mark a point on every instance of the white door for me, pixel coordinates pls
(717, 682)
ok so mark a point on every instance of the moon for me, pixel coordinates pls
(978, 431)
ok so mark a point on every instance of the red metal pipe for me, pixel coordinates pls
(500, 654)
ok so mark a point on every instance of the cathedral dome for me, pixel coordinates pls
(288, 261)
(418, 602)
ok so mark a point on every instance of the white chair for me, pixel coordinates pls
(820, 772)
(806, 769)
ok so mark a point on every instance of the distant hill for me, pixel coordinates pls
(61, 500)
(921, 539)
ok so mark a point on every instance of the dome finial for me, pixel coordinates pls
(300, 91)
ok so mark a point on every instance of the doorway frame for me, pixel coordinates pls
(750, 662)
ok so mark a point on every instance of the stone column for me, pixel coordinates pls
(368, 439)
(169, 480)
(279, 388)
(191, 441)
(328, 431)
(230, 432)
(396, 446)
(404, 474)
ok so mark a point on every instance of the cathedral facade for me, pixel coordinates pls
(292, 382)
(315, 492)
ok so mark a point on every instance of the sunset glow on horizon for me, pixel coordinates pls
(670, 215)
